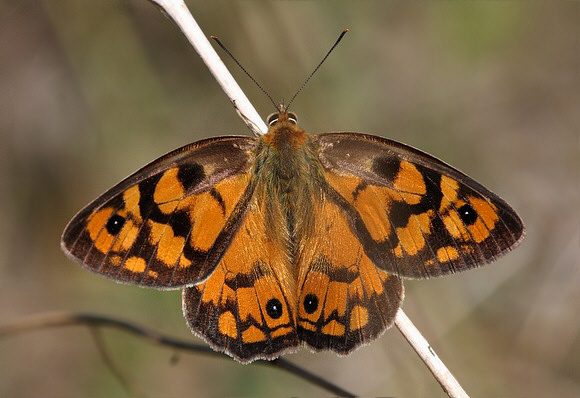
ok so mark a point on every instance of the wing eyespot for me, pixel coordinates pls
(310, 303)
(467, 214)
(274, 308)
(115, 224)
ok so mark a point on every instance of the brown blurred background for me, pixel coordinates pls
(92, 90)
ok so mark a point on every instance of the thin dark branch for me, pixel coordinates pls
(314, 379)
(44, 321)
(129, 387)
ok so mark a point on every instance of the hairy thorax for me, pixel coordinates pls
(287, 187)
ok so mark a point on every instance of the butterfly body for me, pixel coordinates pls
(289, 180)
(291, 238)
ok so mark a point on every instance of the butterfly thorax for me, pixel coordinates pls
(287, 182)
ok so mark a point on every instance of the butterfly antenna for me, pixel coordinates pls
(318, 66)
(243, 69)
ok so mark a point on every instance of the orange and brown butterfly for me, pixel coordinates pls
(289, 238)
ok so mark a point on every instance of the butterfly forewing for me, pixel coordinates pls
(168, 224)
(415, 215)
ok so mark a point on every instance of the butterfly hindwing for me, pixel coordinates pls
(246, 307)
(168, 224)
(344, 300)
(415, 215)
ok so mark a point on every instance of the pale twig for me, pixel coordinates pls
(179, 12)
(59, 319)
(429, 357)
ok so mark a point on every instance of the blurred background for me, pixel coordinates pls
(92, 90)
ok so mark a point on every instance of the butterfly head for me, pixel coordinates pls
(283, 131)
(282, 115)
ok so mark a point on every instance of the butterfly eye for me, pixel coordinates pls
(310, 303)
(292, 118)
(274, 308)
(272, 118)
(115, 224)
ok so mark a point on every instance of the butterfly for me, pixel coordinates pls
(291, 239)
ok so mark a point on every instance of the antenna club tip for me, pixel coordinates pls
(213, 37)
(345, 30)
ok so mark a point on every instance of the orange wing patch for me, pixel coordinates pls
(210, 212)
(169, 191)
(409, 183)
